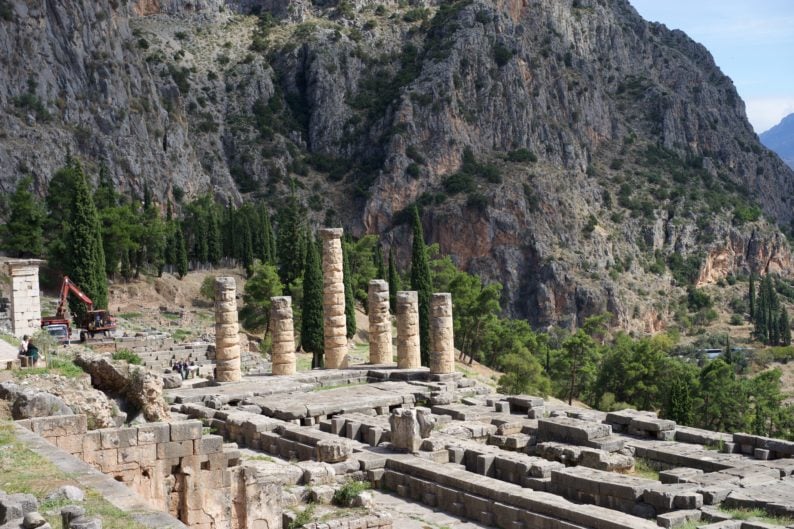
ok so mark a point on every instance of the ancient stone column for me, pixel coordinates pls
(25, 296)
(283, 356)
(408, 347)
(334, 321)
(442, 344)
(227, 342)
(380, 350)
(409, 427)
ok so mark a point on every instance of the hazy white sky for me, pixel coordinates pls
(751, 41)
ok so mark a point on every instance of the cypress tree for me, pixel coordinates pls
(751, 295)
(394, 283)
(85, 257)
(181, 252)
(214, 244)
(268, 239)
(312, 305)
(785, 327)
(171, 244)
(680, 402)
(126, 267)
(350, 301)
(291, 243)
(422, 283)
(378, 257)
(247, 246)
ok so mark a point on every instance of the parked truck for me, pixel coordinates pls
(92, 322)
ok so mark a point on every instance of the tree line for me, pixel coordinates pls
(94, 235)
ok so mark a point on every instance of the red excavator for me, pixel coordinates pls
(93, 321)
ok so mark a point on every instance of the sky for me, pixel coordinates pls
(751, 41)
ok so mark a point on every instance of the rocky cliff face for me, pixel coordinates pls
(567, 148)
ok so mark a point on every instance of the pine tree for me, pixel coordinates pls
(751, 295)
(23, 234)
(312, 305)
(394, 283)
(784, 327)
(229, 231)
(422, 283)
(171, 257)
(181, 252)
(85, 257)
(267, 252)
(350, 301)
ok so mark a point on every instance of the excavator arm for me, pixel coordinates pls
(67, 287)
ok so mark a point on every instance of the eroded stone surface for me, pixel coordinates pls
(380, 341)
(334, 320)
(227, 341)
(283, 329)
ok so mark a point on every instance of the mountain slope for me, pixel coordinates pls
(780, 139)
(584, 157)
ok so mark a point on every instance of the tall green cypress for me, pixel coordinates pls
(422, 283)
(784, 327)
(171, 244)
(247, 246)
(85, 258)
(181, 252)
(394, 283)
(291, 243)
(312, 305)
(214, 244)
(229, 231)
(350, 301)
(268, 239)
(679, 408)
(751, 295)
(378, 257)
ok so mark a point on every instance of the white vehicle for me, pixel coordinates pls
(59, 331)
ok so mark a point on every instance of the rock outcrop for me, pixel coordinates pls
(142, 390)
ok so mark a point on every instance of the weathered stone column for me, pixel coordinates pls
(25, 296)
(442, 343)
(283, 356)
(408, 347)
(334, 321)
(380, 349)
(409, 427)
(227, 342)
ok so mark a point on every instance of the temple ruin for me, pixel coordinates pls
(25, 296)
(380, 340)
(334, 320)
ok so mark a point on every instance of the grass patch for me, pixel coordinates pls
(180, 335)
(23, 470)
(644, 468)
(8, 338)
(757, 515)
(303, 517)
(344, 496)
(58, 366)
(303, 362)
(128, 356)
(130, 315)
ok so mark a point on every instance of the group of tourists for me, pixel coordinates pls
(185, 369)
(28, 352)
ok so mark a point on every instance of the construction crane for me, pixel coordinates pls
(92, 322)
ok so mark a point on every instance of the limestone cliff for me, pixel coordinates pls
(567, 148)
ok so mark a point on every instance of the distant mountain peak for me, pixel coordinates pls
(780, 139)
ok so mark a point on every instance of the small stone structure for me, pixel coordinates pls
(409, 427)
(283, 356)
(25, 296)
(227, 342)
(380, 346)
(408, 348)
(442, 344)
(334, 321)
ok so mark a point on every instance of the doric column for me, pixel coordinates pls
(408, 347)
(334, 321)
(442, 342)
(380, 350)
(283, 356)
(227, 341)
(25, 296)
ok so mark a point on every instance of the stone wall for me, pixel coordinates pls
(195, 477)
